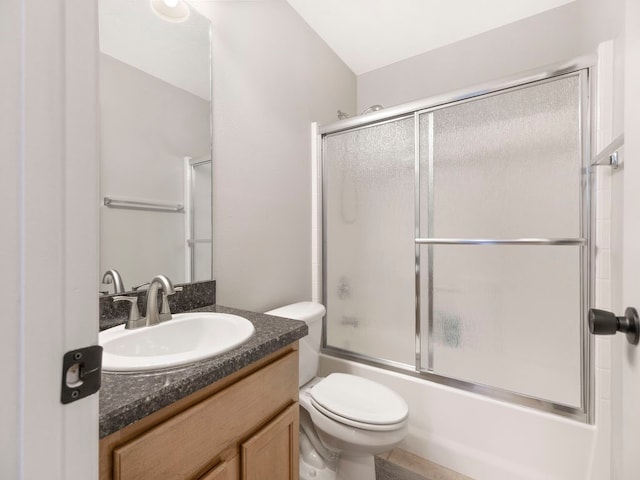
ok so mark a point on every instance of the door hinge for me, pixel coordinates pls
(81, 373)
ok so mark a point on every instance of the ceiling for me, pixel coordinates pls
(370, 34)
(176, 52)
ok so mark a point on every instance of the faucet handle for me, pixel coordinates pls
(165, 311)
(138, 287)
(134, 320)
(176, 290)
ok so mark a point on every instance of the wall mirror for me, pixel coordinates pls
(155, 108)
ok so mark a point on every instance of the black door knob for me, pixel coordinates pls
(602, 322)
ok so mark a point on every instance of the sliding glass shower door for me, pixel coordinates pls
(456, 242)
(370, 253)
(505, 167)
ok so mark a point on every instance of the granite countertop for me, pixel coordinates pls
(126, 398)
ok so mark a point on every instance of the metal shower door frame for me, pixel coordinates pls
(190, 165)
(583, 68)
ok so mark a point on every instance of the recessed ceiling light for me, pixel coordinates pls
(171, 10)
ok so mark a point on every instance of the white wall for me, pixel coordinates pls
(147, 128)
(10, 243)
(273, 76)
(550, 37)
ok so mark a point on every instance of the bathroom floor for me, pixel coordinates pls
(401, 465)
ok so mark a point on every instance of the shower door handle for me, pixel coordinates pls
(602, 322)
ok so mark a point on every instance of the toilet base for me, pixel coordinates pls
(350, 467)
(309, 472)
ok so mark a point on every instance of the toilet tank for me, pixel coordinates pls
(311, 313)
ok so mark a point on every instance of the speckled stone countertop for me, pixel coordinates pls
(124, 399)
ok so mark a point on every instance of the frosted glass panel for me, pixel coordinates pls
(369, 232)
(508, 317)
(503, 164)
(507, 166)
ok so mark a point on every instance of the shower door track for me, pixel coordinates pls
(494, 241)
(583, 68)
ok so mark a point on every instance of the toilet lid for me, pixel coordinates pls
(359, 400)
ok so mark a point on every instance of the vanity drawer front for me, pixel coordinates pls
(185, 445)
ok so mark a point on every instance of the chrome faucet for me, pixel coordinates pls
(113, 276)
(154, 317)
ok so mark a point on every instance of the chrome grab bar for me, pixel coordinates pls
(495, 241)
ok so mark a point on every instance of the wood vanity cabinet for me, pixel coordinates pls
(244, 426)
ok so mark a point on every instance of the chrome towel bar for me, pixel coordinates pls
(608, 157)
(143, 205)
(495, 241)
(191, 243)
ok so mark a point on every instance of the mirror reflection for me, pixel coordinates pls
(155, 103)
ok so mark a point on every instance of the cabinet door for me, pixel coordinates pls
(229, 470)
(272, 453)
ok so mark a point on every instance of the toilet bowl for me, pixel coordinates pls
(345, 419)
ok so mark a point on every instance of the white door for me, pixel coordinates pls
(49, 234)
(626, 382)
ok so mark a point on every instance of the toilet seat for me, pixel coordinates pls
(359, 402)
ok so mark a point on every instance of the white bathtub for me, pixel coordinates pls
(488, 439)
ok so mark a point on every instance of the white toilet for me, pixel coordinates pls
(345, 420)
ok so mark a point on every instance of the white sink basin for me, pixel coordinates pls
(185, 339)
